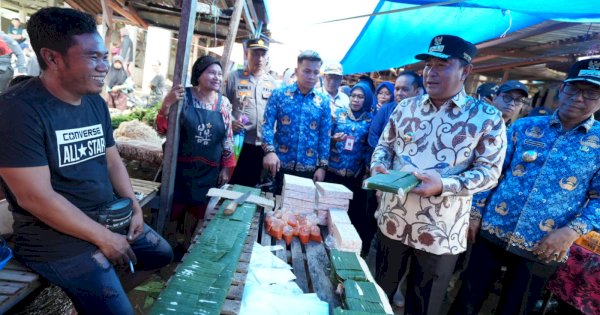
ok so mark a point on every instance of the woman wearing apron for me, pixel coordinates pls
(205, 153)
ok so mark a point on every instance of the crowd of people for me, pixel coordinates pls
(497, 191)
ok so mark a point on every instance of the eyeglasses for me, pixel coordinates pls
(359, 96)
(518, 100)
(588, 94)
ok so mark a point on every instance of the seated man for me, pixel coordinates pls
(60, 167)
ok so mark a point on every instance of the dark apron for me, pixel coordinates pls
(200, 150)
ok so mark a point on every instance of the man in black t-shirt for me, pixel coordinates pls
(59, 165)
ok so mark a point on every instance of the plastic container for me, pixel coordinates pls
(5, 253)
(315, 234)
(288, 234)
(304, 234)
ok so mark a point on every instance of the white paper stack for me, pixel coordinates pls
(346, 237)
(298, 194)
(339, 216)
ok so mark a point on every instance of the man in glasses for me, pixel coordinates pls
(546, 199)
(512, 95)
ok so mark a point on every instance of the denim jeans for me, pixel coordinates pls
(90, 280)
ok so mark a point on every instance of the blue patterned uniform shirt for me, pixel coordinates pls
(303, 124)
(548, 193)
(342, 160)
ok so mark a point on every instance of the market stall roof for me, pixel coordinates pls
(212, 21)
(538, 32)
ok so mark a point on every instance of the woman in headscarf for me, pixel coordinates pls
(118, 84)
(349, 149)
(385, 94)
(205, 154)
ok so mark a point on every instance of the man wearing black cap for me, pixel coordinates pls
(486, 91)
(512, 95)
(249, 90)
(546, 199)
(455, 145)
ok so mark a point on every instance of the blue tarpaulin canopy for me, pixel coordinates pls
(392, 40)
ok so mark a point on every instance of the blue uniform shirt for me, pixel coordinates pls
(548, 193)
(303, 128)
(348, 157)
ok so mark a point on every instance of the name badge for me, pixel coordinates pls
(349, 144)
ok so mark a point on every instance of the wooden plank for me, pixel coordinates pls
(231, 35)
(318, 268)
(186, 27)
(10, 288)
(18, 276)
(231, 307)
(282, 254)
(3, 298)
(8, 303)
(230, 194)
(298, 263)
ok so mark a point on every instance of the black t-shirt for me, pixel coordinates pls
(37, 129)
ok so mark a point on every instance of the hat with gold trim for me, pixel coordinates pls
(585, 70)
(258, 43)
(449, 46)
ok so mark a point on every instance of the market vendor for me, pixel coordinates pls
(455, 145)
(546, 199)
(61, 170)
(300, 143)
(205, 142)
(349, 149)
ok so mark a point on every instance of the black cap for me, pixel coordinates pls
(513, 85)
(585, 70)
(447, 46)
(487, 89)
(258, 43)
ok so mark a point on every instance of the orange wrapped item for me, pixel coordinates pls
(268, 221)
(288, 234)
(315, 234)
(277, 229)
(292, 221)
(304, 234)
(296, 231)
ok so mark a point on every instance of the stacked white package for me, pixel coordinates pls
(333, 191)
(335, 215)
(298, 194)
(346, 237)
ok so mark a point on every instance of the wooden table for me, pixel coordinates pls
(16, 282)
(148, 189)
(310, 263)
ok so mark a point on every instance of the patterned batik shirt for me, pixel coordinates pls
(349, 156)
(551, 180)
(303, 124)
(464, 141)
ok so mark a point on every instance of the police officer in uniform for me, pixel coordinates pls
(249, 90)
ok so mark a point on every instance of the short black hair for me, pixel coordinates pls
(54, 28)
(417, 80)
(309, 55)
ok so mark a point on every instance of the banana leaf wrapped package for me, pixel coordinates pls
(396, 182)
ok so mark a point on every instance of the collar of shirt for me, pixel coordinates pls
(586, 125)
(460, 99)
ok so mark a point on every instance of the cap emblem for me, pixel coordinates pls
(438, 40)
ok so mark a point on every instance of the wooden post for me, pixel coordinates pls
(231, 34)
(107, 15)
(186, 30)
(505, 75)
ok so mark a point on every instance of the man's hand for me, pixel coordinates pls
(271, 163)
(556, 244)
(319, 175)
(431, 184)
(236, 126)
(136, 227)
(223, 176)
(474, 227)
(338, 137)
(379, 169)
(116, 248)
